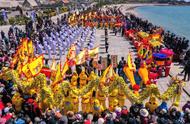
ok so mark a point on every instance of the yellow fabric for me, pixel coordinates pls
(74, 79)
(140, 51)
(19, 67)
(86, 98)
(108, 73)
(17, 101)
(65, 68)
(72, 52)
(149, 54)
(68, 106)
(154, 43)
(53, 65)
(58, 76)
(113, 96)
(30, 48)
(143, 73)
(36, 65)
(81, 57)
(156, 36)
(97, 104)
(26, 71)
(130, 75)
(146, 53)
(130, 63)
(83, 78)
(25, 45)
(121, 97)
(14, 60)
(92, 53)
(143, 34)
(152, 104)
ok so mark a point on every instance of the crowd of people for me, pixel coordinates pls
(179, 45)
(60, 36)
(150, 113)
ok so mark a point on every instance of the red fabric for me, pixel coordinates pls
(148, 82)
(168, 63)
(8, 116)
(87, 122)
(167, 71)
(124, 112)
(136, 44)
(46, 71)
(153, 75)
(148, 61)
(160, 72)
(136, 87)
(1, 105)
(166, 51)
(35, 105)
(144, 40)
(71, 63)
(129, 32)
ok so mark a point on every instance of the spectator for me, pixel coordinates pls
(108, 60)
(120, 66)
(187, 71)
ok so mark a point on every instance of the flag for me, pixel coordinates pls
(14, 60)
(108, 73)
(156, 36)
(140, 51)
(130, 75)
(130, 63)
(81, 57)
(65, 68)
(53, 65)
(72, 52)
(149, 54)
(30, 48)
(103, 78)
(58, 76)
(146, 53)
(19, 67)
(26, 71)
(36, 65)
(111, 72)
(23, 51)
(25, 45)
(93, 52)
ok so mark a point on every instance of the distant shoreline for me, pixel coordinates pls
(130, 8)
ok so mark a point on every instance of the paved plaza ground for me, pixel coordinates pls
(120, 46)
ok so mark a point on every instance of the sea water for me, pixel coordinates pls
(173, 18)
